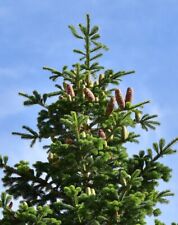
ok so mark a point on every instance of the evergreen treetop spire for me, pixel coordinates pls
(88, 178)
(92, 46)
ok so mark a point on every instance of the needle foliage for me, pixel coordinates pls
(88, 177)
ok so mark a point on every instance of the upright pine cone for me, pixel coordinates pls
(101, 134)
(110, 106)
(89, 95)
(70, 90)
(10, 205)
(119, 99)
(129, 95)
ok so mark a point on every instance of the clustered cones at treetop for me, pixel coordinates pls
(110, 105)
(89, 176)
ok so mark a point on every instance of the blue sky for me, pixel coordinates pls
(141, 36)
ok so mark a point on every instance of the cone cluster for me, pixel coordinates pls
(120, 100)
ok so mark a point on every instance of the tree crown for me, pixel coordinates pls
(88, 177)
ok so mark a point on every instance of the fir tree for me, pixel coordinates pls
(88, 178)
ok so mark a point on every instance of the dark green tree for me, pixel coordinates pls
(88, 177)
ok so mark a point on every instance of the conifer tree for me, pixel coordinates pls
(88, 177)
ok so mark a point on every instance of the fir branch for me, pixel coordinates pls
(161, 196)
(164, 150)
(94, 30)
(33, 135)
(96, 56)
(147, 122)
(57, 73)
(79, 52)
(138, 105)
(121, 74)
(74, 32)
(36, 98)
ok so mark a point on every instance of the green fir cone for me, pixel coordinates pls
(89, 95)
(124, 133)
(110, 106)
(102, 134)
(138, 116)
(129, 95)
(119, 99)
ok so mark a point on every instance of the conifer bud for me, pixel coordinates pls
(90, 84)
(124, 133)
(69, 98)
(70, 90)
(64, 85)
(68, 141)
(119, 99)
(93, 191)
(61, 97)
(88, 191)
(88, 78)
(117, 216)
(89, 95)
(101, 77)
(129, 95)
(96, 83)
(83, 134)
(53, 157)
(103, 94)
(110, 106)
(111, 137)
(97, 99)
(25, 204)
(102, 134)
(50, 157)
(105, 144)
